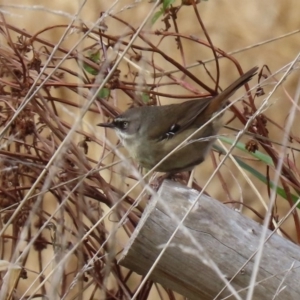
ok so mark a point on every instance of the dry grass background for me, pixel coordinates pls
(232, 25)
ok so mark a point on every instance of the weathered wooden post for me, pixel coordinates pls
(224, 237)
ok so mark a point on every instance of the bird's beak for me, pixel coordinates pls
(109, 125)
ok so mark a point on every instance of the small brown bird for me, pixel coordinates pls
(151, 132)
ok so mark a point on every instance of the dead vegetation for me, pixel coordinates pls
(66, 209)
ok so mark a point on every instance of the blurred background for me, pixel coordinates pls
(254, 33)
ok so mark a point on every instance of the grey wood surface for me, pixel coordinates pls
(223, 236)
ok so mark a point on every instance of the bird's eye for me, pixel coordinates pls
(124, 124)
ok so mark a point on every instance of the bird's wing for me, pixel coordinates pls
(186, 113)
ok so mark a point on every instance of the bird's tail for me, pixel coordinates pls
(218, 101)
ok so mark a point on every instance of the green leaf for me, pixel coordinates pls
(167, 3)
(265, 158)
(89, 69)
(280, 191)
(241, 146)
(104, 93)
(145, 98)
(94, 57)
(156, 16)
